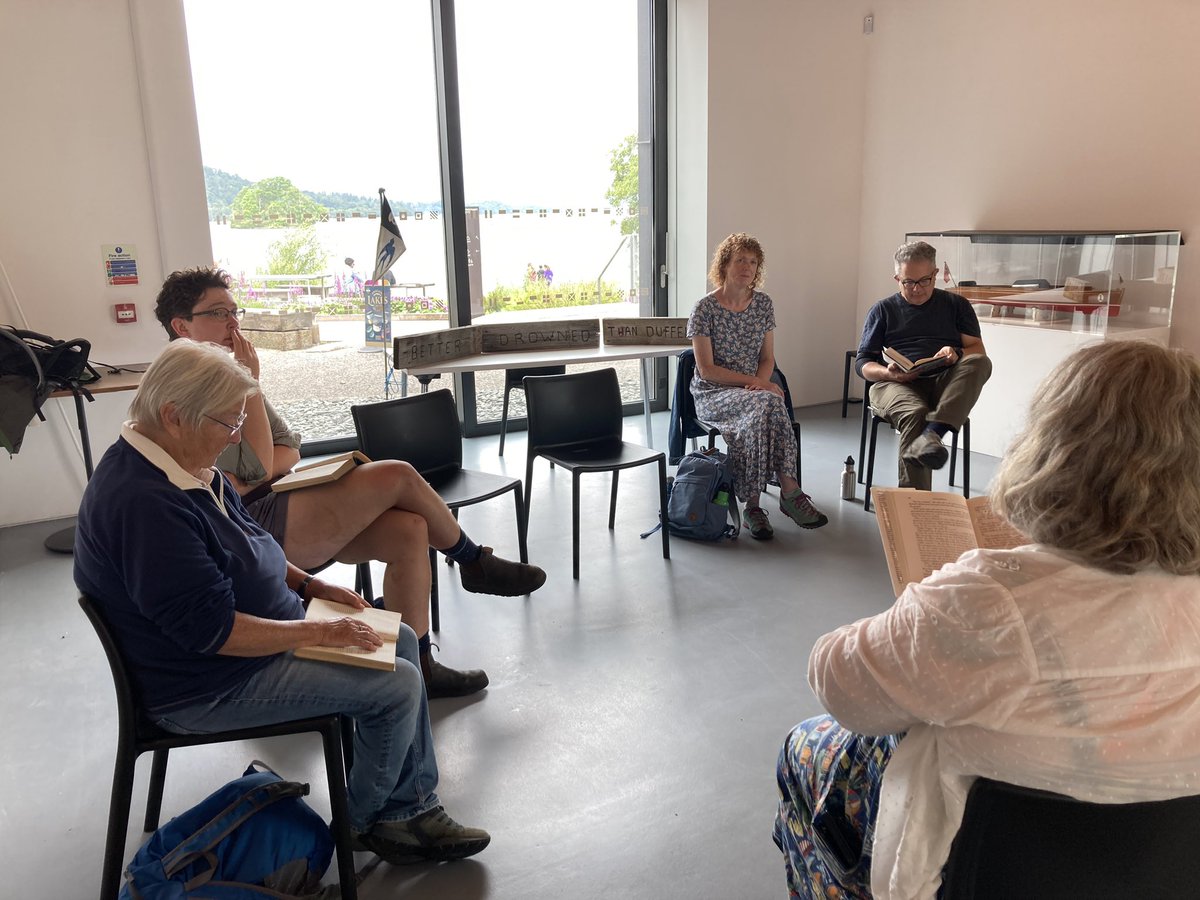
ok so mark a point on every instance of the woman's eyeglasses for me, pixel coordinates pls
(233, 429)
(220, 314)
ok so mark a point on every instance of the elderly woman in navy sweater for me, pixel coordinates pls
(206, 608)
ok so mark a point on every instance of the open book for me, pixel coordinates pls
(320, 472)
(385, 622)
(924, 530)
(919, 366)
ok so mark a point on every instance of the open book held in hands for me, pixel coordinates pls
(915, 367)
(320, 472)
(385, 622)
(924, 530)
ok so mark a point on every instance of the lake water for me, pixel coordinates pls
(576, 248)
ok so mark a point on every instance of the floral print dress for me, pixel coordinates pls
(755, 424)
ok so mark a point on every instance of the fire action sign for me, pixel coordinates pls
(120, 263)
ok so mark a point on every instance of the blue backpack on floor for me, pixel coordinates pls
(250, 839)
(700, 501)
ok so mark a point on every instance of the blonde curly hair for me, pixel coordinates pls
(1108, 466)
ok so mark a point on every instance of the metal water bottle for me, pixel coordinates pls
(848, 479)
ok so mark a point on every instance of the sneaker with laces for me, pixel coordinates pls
(756, 521)
(928, 451)
(491, 574)
(798, 507)
(432, 835)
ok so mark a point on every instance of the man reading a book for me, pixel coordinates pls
(381, 510)
(922, 321)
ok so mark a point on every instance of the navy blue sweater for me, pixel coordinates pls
(168, 570)
(916, 331)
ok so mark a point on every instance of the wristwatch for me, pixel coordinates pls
(302, 589)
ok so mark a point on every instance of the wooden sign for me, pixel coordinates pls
(667, 331)
(435, 346)
(555, 335)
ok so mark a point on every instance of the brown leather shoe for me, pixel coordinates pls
(491, 574)
(444, 681)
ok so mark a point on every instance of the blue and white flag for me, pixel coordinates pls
(391, 245)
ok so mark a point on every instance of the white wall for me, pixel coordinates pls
(1023, 114)
(100, 148)
(784, 143)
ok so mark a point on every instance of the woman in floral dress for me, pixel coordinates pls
(732, 336)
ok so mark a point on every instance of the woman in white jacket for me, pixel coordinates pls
(1071, 664)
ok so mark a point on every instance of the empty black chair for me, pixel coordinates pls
(1019, 842)
(873, 419)
(362, 578)
(513, 378)
(424, 431)
(575, 421)
(136, 734)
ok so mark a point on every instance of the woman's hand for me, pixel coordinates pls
(347, 632)
(765, 384)
(244, 352)
(336, 594)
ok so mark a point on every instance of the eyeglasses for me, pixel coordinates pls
(233, 429)
(220, 314)
(919, 282)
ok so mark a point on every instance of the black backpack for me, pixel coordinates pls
(33, 365)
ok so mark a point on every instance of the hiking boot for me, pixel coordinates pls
(798, 507)
(491, 574)
(756, 521)
(432, 835)
(928, 451)
(443, 681)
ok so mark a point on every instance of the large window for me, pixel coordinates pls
(306, 109)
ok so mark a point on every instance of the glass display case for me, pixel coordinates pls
(1083, 282)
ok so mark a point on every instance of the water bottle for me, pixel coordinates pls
(848, 479)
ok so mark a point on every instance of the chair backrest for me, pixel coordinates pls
(1019, 842)
(423, 430)
(573, 410)
(513, 378)
(128, 709)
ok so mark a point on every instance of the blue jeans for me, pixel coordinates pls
(394, 776)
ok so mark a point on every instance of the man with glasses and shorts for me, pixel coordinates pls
(922, 321)
(380, 511)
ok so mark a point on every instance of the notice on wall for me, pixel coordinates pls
(120, 263)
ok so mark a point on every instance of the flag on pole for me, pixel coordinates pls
(391, 245)
(946, 272)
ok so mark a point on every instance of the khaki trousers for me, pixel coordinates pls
(947, 398)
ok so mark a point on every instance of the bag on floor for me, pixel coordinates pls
(700, 501)
(250, 839)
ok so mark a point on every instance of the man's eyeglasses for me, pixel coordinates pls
(919, 282)
(220, 314)
(233, 429)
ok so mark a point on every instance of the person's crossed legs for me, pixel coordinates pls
(386, 511)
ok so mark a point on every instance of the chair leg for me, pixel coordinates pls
(504, 421)
(875, 423)
(362, 582)
(850, 354)
(435, 615)
(966, 430)
(158, 777)
(612, 502)
(528, 493)
(662, 507)
(348, 743)
(335, 772)
(519, 503)
(799, 469)
(862, 437)
(118, 823)
(575, 524)
(453, 512)
(953, 454)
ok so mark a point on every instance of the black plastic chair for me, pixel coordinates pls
(575, 421)
(873, 419)
(362, 578)
(136, 735)
(1020, 842)
(424, 431)
(513, 378)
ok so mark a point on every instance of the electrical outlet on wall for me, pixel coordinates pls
(868, 24)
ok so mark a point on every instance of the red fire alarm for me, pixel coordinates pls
(125, 312)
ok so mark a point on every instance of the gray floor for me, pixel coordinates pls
(625, 748)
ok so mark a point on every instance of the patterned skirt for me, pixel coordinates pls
(829, 781)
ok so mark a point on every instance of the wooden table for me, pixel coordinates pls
(571, 356)
(64, 541)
